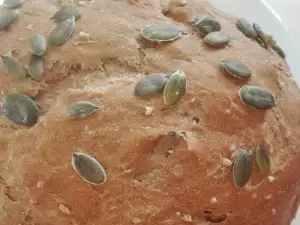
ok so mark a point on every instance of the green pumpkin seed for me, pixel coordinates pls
(256, 97)
(62, 32)
(81, 110)
(66, 12)
(206, 24)
(6, 17)
(235, 68)
(262, 159)
(242, 168)
(254, 164)
(12, 3)
(197, 19)
(246, 28)
(161, 32)
(270, 40)
(13, 67)
(175, 88)
(151, 84)
(36, 66)
(279, 50)
(217, 39)
(20, 109)
(261, 35)
(38, 44)
(88, 168)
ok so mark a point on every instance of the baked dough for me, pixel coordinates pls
(167, 167)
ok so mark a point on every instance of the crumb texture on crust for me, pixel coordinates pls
(165, 168)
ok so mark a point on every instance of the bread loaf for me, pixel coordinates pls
(164, 165)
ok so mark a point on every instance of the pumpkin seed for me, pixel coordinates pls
(66, 12)
(151, 84)
(261, 35)
(246, 28)
(161, 32)
(197, 19)
(235, 68)
(36, 66)
(206, 24)
(262, 159)
(6, 17)
(12, 3)
(217, 39)
(38, 44)
(175, 88)
(88, 168)
(279, 50)
(81, 110)
(256, 97)
(20, 109)
(270, 40)
(254, 165)
(242, 168)
(62, 32)
(13, 67)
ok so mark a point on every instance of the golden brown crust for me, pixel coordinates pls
(154, 175)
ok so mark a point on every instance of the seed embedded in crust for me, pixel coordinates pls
(235, 68)
(242, 168)
(175, 88)
(256, 97)
(88, 168)
(217, 39)
(161, 32)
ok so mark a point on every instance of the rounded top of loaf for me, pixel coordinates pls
(166, 167)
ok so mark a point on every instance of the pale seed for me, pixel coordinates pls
(242, 167)
(12, 3)
(83, 35)
(187, 217)
(271, 179)
(256, 97)
(81, 110)
(175, 88)
(6, 17)
(40, 184)
(20, 109)
(151, 85)
(148, 110)
(81, 3)
(13, 67)
(64, 209)
(269, 196)
(62, 32)
(66, 12)
(38, 44)
(88, 168)
(226, 162)
(136, 220)
(213, 200)
(36, 66)
(262, 159)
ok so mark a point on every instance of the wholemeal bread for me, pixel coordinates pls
(164, 165)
